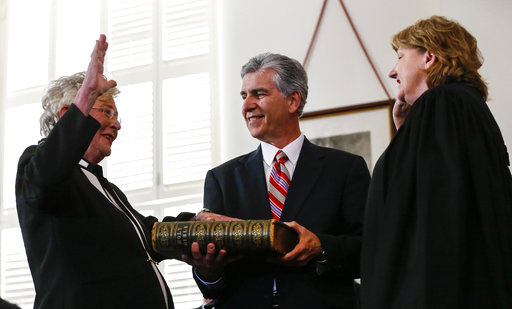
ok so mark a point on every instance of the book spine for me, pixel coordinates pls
(234, 236)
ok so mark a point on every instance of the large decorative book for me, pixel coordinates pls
(237, 237)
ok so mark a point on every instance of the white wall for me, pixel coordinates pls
(338, 72)
(491, 23)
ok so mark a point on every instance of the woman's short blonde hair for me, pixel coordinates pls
(456, 50)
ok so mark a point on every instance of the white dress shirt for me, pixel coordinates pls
(292, 151)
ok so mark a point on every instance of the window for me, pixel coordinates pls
(16, 284)
(159, 55)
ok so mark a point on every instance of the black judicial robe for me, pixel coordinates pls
(438, 226)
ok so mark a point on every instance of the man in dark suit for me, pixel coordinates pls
(323, 191)
(86, 246)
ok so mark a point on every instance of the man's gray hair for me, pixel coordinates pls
(62, 92)
(290, 75)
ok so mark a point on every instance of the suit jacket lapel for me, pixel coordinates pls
(304, 178)
(258, 206)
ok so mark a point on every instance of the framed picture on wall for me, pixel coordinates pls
(364, 129)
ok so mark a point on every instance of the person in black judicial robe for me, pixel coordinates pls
(326, 197)
(84, 251)
(438, 230)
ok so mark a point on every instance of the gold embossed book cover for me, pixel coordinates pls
(237, 237)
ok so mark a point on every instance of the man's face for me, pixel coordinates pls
(267, 114)
(100, 146)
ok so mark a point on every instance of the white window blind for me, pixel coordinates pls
(131, 43)
(183, 100)
(28, 47)
(185, 32)
(185, 293)
(77, 26)
(131, 164)
(186, 128)
(16, 282)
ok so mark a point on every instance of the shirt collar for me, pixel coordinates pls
(93, 168)
(292, 150)
(83, 163)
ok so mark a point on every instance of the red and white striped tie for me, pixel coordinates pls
(279, 182)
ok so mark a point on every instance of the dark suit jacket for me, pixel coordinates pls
(82, 251)
(326, 195)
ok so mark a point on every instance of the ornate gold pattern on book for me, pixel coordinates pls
(173, 238)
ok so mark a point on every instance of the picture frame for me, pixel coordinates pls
(364, 129)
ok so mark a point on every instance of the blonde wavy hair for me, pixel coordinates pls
(456, 50)
(62, 92)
